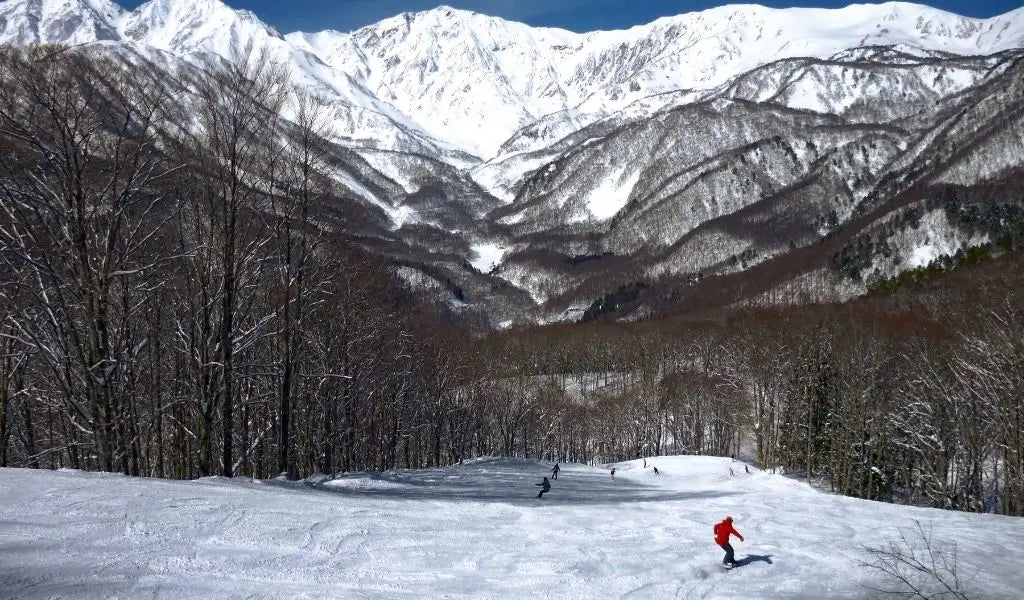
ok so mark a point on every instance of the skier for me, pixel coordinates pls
(731, 474)
(722, 532)
(747, 469)
(645, 463)
(613, 473)
(545, 486)
(554, 472)
(656, 471)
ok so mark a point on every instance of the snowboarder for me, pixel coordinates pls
(656, 472)
(545, 486)
(613, 473)
(722, 532)
(554, 471)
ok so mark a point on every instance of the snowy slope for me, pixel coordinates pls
(61, 21)
(474, 531)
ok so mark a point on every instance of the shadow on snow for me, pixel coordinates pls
(752, 558)
(501, 480)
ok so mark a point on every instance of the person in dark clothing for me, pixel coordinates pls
(545, 486)
(722, 532)
(554, 471)
(747, 469)
(656, 471)
(613, 473)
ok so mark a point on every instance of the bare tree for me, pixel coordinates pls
(239, 105)
(80, 212)
(917, 566)
(297, 238)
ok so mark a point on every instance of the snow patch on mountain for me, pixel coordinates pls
(385, 164)
(612, 194)
(486, 256)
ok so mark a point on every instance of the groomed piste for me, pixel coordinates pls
(470, 531)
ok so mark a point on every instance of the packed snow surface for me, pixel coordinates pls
(471, 531)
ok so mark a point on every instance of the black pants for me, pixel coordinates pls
(729, 558)
(541, 493)
(554, 475)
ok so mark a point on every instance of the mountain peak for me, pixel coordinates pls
(71, 22)
(445, 12)
(190, 25)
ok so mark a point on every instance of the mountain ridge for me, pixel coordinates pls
(535, 169)
(499, 76)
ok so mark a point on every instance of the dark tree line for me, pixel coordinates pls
(174, 303)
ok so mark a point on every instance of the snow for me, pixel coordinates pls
(922, 256)
(612, 194)
(471, 531)
(484, 257)
(384, 163)
(398, 215)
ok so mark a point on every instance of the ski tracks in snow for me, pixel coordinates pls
(475, 531)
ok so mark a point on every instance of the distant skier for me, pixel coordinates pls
(645, 463)
(613, 473)
(554, 471)
(747, 469)
(731, 474)
(545, 486)
(656, 472)
(722, 532)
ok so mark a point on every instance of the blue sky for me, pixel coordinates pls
(577, 15)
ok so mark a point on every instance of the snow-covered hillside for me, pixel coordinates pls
(471, 531)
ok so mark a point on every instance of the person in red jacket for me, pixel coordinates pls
(722, 532)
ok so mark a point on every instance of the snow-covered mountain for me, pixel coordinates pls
(472, 81)
(474, 144)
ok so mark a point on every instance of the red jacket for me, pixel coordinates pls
(722, 531)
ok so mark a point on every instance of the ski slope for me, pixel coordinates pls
(472, 531)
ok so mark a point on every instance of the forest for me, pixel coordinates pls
(175, 304)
